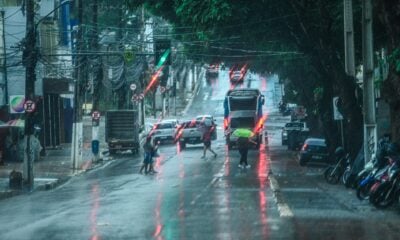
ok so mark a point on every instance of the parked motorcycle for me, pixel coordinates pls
(368, 178)
(384, 192)
(333, 173)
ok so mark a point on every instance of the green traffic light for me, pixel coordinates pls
(163, 58)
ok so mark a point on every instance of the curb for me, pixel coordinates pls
(43, 187)
(195, 92)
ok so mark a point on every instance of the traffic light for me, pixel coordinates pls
(162, 52)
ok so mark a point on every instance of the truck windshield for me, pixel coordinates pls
(243, 103)
(247, 122)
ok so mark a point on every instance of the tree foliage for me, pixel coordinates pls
(301, 40)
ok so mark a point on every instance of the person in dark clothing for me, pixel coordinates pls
(243, 147)
(149, 150)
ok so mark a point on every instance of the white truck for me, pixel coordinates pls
(122, 130)
(243, 109)
(294, 134)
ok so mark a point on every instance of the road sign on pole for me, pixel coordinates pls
(162, 89)
(133, 87)
(29, 106)
(96, 115)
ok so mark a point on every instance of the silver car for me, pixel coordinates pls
(164, 131)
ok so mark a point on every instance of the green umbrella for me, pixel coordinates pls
(243, 132)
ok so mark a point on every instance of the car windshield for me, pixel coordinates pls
(163, 126)
(317, 148)
(203, 118)
(191, 124)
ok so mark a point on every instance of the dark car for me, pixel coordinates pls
(236, 77)
(313, 150)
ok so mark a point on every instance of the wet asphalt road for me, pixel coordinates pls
(193, 198)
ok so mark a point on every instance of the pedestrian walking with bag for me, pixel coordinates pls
(206, 137)
(154, 153)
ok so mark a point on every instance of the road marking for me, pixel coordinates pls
(193, 202)
(283, 208)
(217, 176)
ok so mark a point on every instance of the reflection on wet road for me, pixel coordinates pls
(194, 198)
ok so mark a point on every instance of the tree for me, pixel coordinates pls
(300, 40)
(389, 18)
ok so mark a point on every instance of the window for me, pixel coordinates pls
(242, 122)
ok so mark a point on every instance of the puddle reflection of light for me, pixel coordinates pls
(263, 84)
(222, 198)
(93, 213)
(158, 221)
(263, 170)
(214, 87)
(157, 163)
(181, 212)
(227, 161)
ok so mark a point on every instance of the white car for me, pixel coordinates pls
(164, 131)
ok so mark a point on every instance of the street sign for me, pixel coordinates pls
(96, 115)
(29, 106)
(162, 89)
(133, 86)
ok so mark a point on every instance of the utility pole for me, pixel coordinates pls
(30, 60)
(95, 46)
(370, 130)
(348, 47)
(142, 82)
(77, 138)
(4, 58)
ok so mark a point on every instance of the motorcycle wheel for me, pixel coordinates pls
(372, 191)
(364, 191)
(381, 196)
(346, 177)
(332, 175)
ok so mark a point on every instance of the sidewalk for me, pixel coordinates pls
(55, 168)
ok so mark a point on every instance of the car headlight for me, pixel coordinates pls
(284, 133)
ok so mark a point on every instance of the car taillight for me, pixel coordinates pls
(226, 123)
(304, 148)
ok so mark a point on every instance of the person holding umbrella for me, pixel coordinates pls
(244, 139)
(207, 129)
